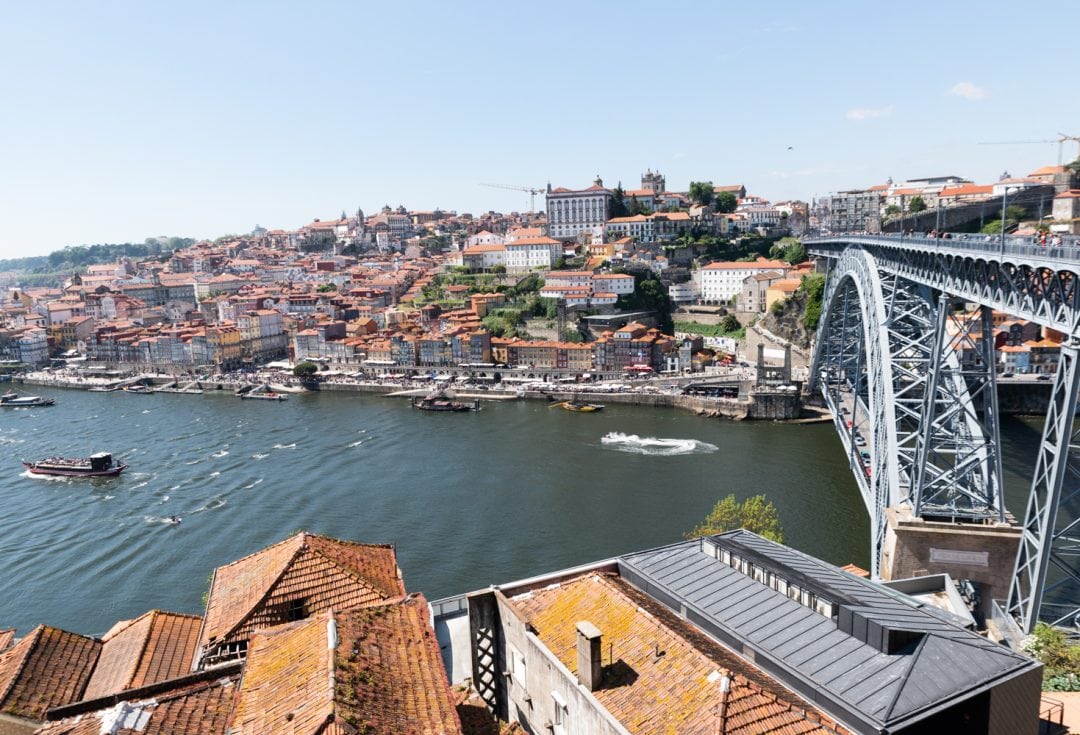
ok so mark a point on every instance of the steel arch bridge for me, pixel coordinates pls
(912, 387)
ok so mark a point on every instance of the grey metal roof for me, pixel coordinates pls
(933, 663)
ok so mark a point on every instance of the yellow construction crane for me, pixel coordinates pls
(530, 190)
(1060, 140)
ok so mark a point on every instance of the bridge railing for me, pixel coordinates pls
(1012, 245)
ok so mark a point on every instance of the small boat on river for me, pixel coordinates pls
(580, 407)
(14, 400)
(96, 465)
(439, 401)
(264, 396)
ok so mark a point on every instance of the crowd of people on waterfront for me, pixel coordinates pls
(67, 377)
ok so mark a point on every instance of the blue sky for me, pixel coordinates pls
(124, 120)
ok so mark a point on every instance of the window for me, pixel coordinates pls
(558, 715)
(517, 666)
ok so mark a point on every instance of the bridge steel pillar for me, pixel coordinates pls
(883, 353)
(1046, 581)
(958, 463)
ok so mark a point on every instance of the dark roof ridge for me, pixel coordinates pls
(90, 705)
(907, 674)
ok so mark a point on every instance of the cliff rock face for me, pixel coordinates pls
(790, 321)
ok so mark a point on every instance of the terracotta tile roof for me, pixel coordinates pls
(287, 681)
(533, 241)
(47, 668)
(788, 285)
(661, 675)
(7, 637)
(856, 570)
(740, 265)
(319, 572)
(385, 675)
(967, 190)
(154, 647)
(199, 707)
(392, 649)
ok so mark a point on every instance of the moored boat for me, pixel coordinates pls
(265, 396)
(580, 407)
(101, 464)
(14, 400)
(439, 401)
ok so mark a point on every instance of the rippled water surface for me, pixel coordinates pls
(470, 499)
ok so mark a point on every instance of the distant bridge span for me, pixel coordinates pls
(912, 386)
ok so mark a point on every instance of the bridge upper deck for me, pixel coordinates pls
(1016, 250)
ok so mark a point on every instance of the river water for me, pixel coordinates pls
(471, 499)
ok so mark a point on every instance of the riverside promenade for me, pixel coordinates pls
(761, 406)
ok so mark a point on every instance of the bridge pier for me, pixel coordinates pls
(982, 553)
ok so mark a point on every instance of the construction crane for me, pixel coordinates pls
(1060, 140)
(530, 190)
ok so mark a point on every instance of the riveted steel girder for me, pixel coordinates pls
(1046, 581)
(884, 364)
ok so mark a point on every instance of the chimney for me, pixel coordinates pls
(589, 665)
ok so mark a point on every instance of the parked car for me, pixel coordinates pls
(1044, 376)
(1008, 375)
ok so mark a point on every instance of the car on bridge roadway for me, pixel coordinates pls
(1044, 376)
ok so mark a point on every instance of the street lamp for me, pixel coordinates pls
(1004, 205)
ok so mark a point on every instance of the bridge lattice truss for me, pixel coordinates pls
(912, 386)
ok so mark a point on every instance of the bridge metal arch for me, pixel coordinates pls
(932, 421)
(1041, 285)
(860, 332)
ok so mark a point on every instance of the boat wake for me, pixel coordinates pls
(213, 504)
(634, 444)
(252, 484)
(259, 455)
(47, 478)
(356, 443)
(219, 455)
(162, 520)
(285, 446)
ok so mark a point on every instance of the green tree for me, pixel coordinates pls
(636, 207)
(754, 514)
(618, 202)
(573, 335)
(730, 323)
(327, 288)
(702, 192)
(813, 286)
(892, 210)
(305, 369)
(726, 202)
(1061, 659)
(916, 205)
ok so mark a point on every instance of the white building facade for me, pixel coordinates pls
(572, 213)
(723, 281)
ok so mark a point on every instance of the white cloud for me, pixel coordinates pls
(967, 90)
(860, 114)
